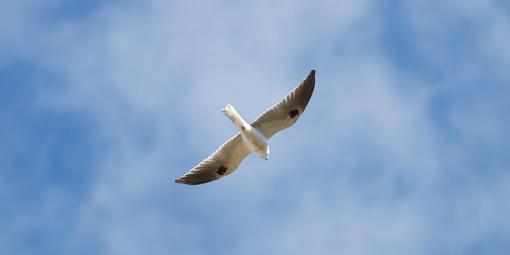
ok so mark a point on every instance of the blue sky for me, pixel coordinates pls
(403, 148)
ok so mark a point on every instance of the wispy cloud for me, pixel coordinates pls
(401, 150)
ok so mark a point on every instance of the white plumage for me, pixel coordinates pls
(251, 137)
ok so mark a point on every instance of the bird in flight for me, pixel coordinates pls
(251, 137)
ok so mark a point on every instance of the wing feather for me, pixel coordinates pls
(222, 162)
(286, 112)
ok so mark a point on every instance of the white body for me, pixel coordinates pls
(251, 136)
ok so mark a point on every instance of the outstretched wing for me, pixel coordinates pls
(222, 162)
(286, 112)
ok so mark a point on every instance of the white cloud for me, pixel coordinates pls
(361, 178)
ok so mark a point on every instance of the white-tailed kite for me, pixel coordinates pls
(252, 137)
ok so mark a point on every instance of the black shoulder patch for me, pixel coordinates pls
(221, 170)
(293, 113)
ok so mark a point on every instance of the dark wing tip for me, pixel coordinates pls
(305, 90)
(189, 181)
(310, 79)
(310, 82)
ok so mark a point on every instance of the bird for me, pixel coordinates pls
(251, 137)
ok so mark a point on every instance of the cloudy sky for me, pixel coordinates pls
(403, 149)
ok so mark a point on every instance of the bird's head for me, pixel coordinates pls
(228, 110)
